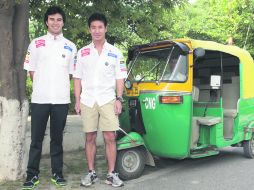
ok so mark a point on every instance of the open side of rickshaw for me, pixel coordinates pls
(185, 98)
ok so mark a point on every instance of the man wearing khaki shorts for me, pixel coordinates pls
(98, 86)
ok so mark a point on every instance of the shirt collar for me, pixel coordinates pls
(52, 37)
(105, 45)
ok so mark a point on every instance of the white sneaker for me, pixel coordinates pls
(114, 180)
(89, 179)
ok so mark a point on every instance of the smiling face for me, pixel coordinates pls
(55, 24)
(98, 31)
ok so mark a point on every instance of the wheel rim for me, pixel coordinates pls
(131, 161)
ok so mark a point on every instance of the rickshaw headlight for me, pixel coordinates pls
(171, 99)
(128, 84)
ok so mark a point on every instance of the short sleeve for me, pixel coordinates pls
(77, 69)
(31, 57)
(73, 60)
(121, 70)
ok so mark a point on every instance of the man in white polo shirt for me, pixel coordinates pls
(50, 61)
(100, 72)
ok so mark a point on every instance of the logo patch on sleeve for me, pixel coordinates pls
(75, 62)
(27, 58)
(122, 66)
(85, 52)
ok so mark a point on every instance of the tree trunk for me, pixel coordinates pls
(13, 103)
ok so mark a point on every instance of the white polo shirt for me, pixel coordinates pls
(52, 59)
(99, 73)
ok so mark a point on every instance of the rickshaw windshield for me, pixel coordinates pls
(165, 64)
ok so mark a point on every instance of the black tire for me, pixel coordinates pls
(248, 148)
(130, 163)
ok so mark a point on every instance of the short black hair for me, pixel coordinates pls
(97, 17)
(53, 10)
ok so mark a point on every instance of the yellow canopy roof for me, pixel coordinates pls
(247, 69)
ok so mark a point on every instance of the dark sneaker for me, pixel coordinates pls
(31, 182)
(114, 180)
(58, 180)
(89, 179)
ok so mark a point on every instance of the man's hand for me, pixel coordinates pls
(77, 107)
(118, 107)
(77, 92)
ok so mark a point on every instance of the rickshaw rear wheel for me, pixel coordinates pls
(248, 147)
(130, 163)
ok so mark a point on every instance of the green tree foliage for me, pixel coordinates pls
(216, 20)
(141, 21)
(130, 22)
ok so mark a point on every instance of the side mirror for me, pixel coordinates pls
(199, 53)
(183, 47)
(215, 81)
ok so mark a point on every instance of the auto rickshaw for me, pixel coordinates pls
(184, 98)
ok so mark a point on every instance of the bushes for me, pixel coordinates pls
(29, 88)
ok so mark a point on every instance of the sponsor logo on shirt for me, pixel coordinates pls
(112, 55)
(122, 66)
(85, 52)
(75, 62)
(27, 58)
(68, 47)
(40, 43)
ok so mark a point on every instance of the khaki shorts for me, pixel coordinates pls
(103, 117)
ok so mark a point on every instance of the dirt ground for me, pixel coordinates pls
(74, 169)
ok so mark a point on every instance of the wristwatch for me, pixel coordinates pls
(119, 98)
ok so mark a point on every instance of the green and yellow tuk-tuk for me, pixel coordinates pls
(185, 99)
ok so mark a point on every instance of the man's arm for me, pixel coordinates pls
(119, 87)
(119, 93)
(77, 92)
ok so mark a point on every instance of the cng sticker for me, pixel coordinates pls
(149, 103)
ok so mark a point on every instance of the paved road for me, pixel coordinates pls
(227, 171)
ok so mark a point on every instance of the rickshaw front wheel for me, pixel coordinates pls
(130, 163)
(248, 147)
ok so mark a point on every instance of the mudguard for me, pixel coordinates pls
(132, 140)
